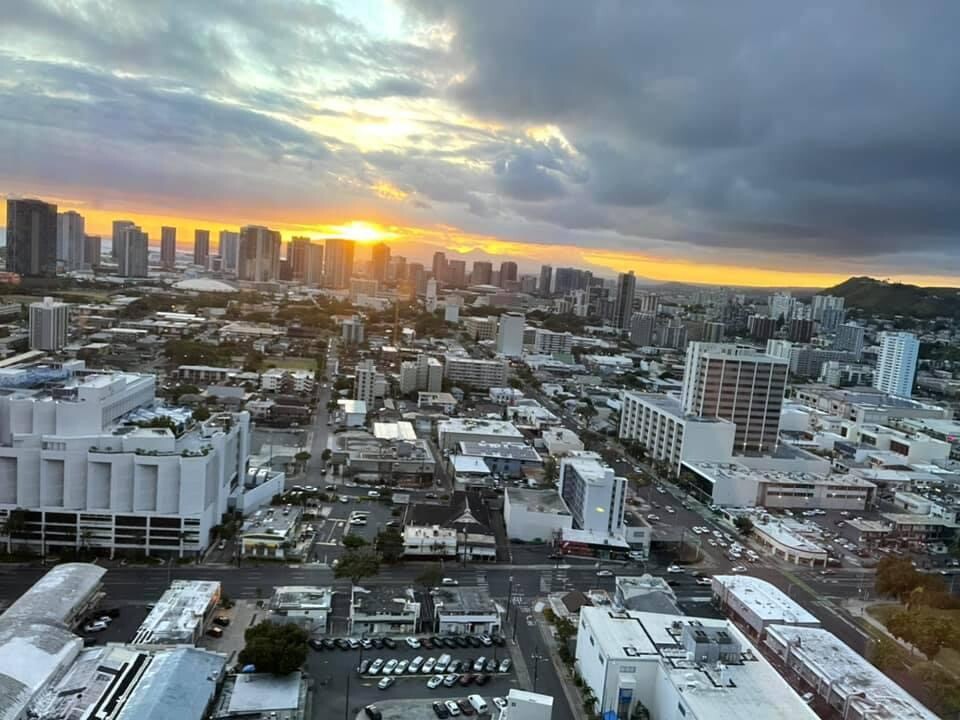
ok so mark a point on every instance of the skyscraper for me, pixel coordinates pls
(91, 250)
(118, 227)
(482, 272)
(626, 289)
(168, 247)
(546, 276)
(508, 273)
(440, 267)
(737, 384)
(641, 328)
(201, 247)
(824, 302)
(457, 273)
(896, 363)
(417, 279)
(649, 303)
(70, 230)
(133, 252)
(849, 338)
(229, 248)
(379, 259)
(258, 254)
(510, 334)
(313, 275)
(48, 324)
(297, 253)
(31, 238)
(338, 263)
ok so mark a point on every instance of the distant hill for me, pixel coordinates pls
(886, 298)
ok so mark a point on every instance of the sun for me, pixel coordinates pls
(360, 231)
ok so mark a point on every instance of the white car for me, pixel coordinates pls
(96, 626)
(435, 681)
(401, 668)
(428, 666)
(449, 581)
(375, 666)
(500, 702)
(738, 569)
(412, 642)
(604, 573)
(373, 494)
(452, 708)
(675, 570)
(415, 665)
(669, 510)
(389, 667)
(653, 517)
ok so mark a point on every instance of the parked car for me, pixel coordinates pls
(467, 679)
(375, 666)
(97, 626)
(482, 679)
(221, 620)
(402, 667)
(353, 643)
(738, 569)
(478, 703)
(315, 644)
(604, 573)
(479, 664)
(215, 632)
(461, 641)
(505, 665)
(389, 643)
(329, 644)
(428, 666)
(452, 708)
(450, 680)
(373, 712)
(426, 643)
(474, 641)
(454, 666)
(440, 710)
(412, 642)
(367, 644)
(500, 702)
(498, 640)
(415, 665)
(491, 666)
(465, 707)
(363, 667)
(450, 642)
(486, 641)
(386, 682)
(435, 681)
(377, 642)
(390, 666)
(449, 581)
(373, 494)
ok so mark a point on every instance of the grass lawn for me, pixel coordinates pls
(292, 363)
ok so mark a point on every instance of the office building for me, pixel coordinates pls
(713, 332)
(527, 284)
(850, 338)
(547, 342)
(91, 250)
(679, 668)
(133, 252)
(338, 262)
(593, 494)
(672, 334)
(781, 306)
(545, 284)
(425, 373)
(822, 303)
(510, 334)
(352, 331)
(118, 227)
(508, 273)
(761, 327)
(85, 453)
(168, 247)
(417, 279)
(313, 274)
(431, 296)
(642, 325)
(482, 273)
(70, 232)
(201, 247)
(896, 363)
(258, 254)
(831, 319)
(623, 310)
(379, 260)
(737, 384)
(483, 374)
(31, 238)
(456, 273)
(658, 423)
(297, 255)
(48, 324)
(800, 331)
(369, 383)
(649, 303)
(439, 267)
(229, 249)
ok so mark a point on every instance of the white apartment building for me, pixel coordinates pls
(679, 667)
(352, 331)
(289, 381)
(431, 299)
(474, 372)
(369, 383)
(592, 493)
(425, 373)
(896, 363)
(547, 342)
(480, 328)
(98, 463)
(510, 334)
(658, 423)
(206, 374)
(849, 338)
(48, 324)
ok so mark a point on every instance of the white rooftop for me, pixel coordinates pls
(259, 692)
(788, 533)
(204, 285)
(402, 430)
(503, 428)
(353, 406)
(176, 614)
(764, 600)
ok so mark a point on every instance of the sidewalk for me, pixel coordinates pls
(570, 690)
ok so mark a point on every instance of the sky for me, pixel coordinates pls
(747, 142)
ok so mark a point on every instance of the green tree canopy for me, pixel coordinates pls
(430, 577)
(353, 541)
(277, 648)
(744, 525)
(358, 564)
(389, 544)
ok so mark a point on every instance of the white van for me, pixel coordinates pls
(442, 662)
(479, 704)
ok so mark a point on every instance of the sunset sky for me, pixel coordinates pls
(751, 142)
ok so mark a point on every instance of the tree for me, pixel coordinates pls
(744, 525)
(277, 648)
(201, 414)
(640, 712)
(389, 544)
(942, 686)
(325, 455)
(887, 654)
(430, 577)
(358, 564)
(896, 576)
(550, 469)
(353, 542)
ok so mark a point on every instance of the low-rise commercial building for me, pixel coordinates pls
(507, 459)
(429, 541)
(271, 532)
(352, 413)
(560, 441)
(278, 380)
(306, 605)
(525, 705)
(790, 541)
(442, 401)
(756, 604)
(534, 514)
(466, 611)
(456, 430)
(181, 614)
(679, 667)
(383, 610)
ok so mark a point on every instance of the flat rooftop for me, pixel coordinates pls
(260, 693)
(174, 618)
(540, 501)
(875, 695)
(465, 601)
(353, 406)
(301, 597)
(789, 533)
(502, 450)
(272, 520)
(477, 426)
(402, 430)
(384, 600)
(763, 599)
(735, 472)
(669, 404)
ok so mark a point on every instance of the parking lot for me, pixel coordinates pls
(335, 673)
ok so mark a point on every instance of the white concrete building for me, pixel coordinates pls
(70, 232)
(592, 493)
(48, 324)
(352, 331)
(353, 413)
(505, 395)
(466, 611)
(306, 605)
(897, 363)
(476, 373)
(756, 603)
(560, 441)
(658, 423)
(289, 381)
(679, 667)
(429, 541)
(510, 334)
(369, 383)
(481, 328)
(424, 373)
(181, 614)
(456, 430)
(524, 705)
(431, 298)
(105, 466)
(534, 514)
(547, 342)
(444, 401)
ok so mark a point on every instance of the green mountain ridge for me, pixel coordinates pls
(888, 298)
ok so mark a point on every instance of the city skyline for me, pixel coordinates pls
(466, 128)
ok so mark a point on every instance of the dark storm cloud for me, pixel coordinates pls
(751, 123)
